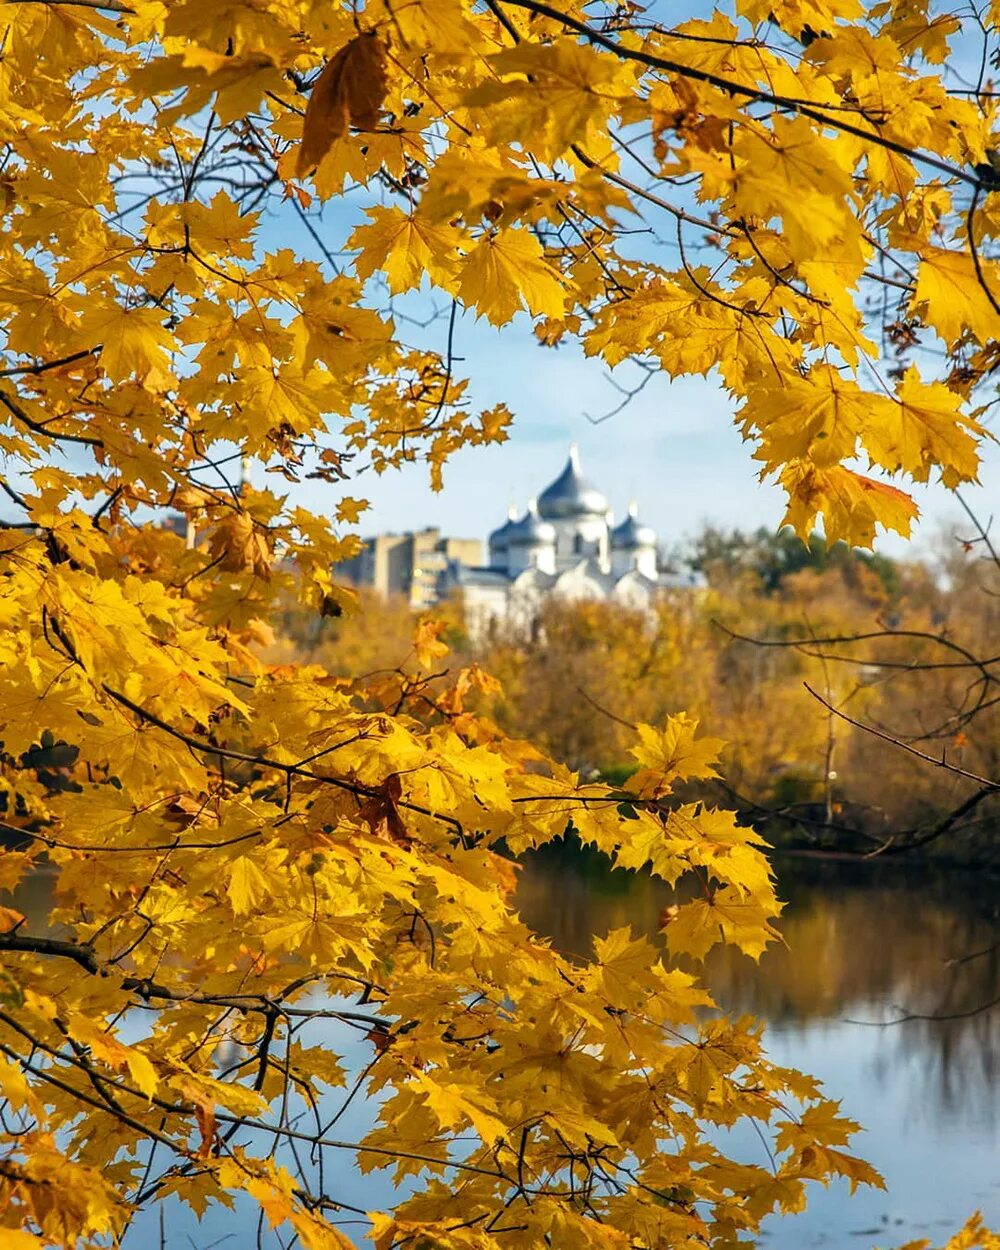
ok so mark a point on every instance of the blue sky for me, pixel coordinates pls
(674, 449)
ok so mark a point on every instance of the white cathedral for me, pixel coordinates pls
(566, 544)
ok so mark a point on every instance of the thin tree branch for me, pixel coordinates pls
(988, 785)
(732, 87)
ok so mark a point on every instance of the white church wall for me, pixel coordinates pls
(485, 609)
(639, 559)
(541, 556)
(580, 583)
(634, 592)
(579, 538)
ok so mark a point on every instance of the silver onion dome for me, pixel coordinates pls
(531, 530)
(632, 533)
(571, 495)
(498, 539)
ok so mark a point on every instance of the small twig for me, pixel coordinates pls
(987, 785)
(915, 1015)
(620, 720)
(16, 410)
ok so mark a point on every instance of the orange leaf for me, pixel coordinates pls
(10, 919)
(204, 1113)
(349, 91)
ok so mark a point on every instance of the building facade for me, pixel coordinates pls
(410, 564)
(565, 544)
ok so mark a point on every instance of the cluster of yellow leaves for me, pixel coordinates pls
(227, 841)
(974, 1236)
(359, 849)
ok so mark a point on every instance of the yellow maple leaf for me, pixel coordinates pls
(427, 644)
(950, 296)
(505, 272)
(133, 341)
(108, 1049)
(672, 754)
(454, 1105)
(248, 886)
(725, 916)
(406, 247)
(925, 429)
(18, 1239)
(350, 510)
(852, 505)
(557, 91)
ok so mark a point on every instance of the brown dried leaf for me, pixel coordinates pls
(239, 545)
(381, 812)
(349, 91)
(204, 1114)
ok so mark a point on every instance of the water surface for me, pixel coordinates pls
(862, 943)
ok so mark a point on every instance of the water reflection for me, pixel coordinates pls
(862, 943)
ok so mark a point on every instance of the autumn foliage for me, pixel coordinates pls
(794, 676)
(240, 852)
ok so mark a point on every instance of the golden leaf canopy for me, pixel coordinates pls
(239, 852)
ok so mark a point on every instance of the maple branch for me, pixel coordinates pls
(982, 530)
(731, 87)
(110, 6)
(903, 842)
(972, 955)
(803, 292)
(175, 845)
(107, 505)
(448, 1164)
(264, 761)
(303, 216)
(983, 684)
(969, 660)
(36, 370)
(789, 814)
(495, 8)
(47, 1075)
(628, 393)
(80, 954)
(15, 408)
(629, 724)
(970, 230)
(12, 494)
(893, 845)
(649, 196)
(913, 1015)
(699, 286)
(148, 990)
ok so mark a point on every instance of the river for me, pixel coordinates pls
(863, 947)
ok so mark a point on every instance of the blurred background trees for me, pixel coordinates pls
(781, 630)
